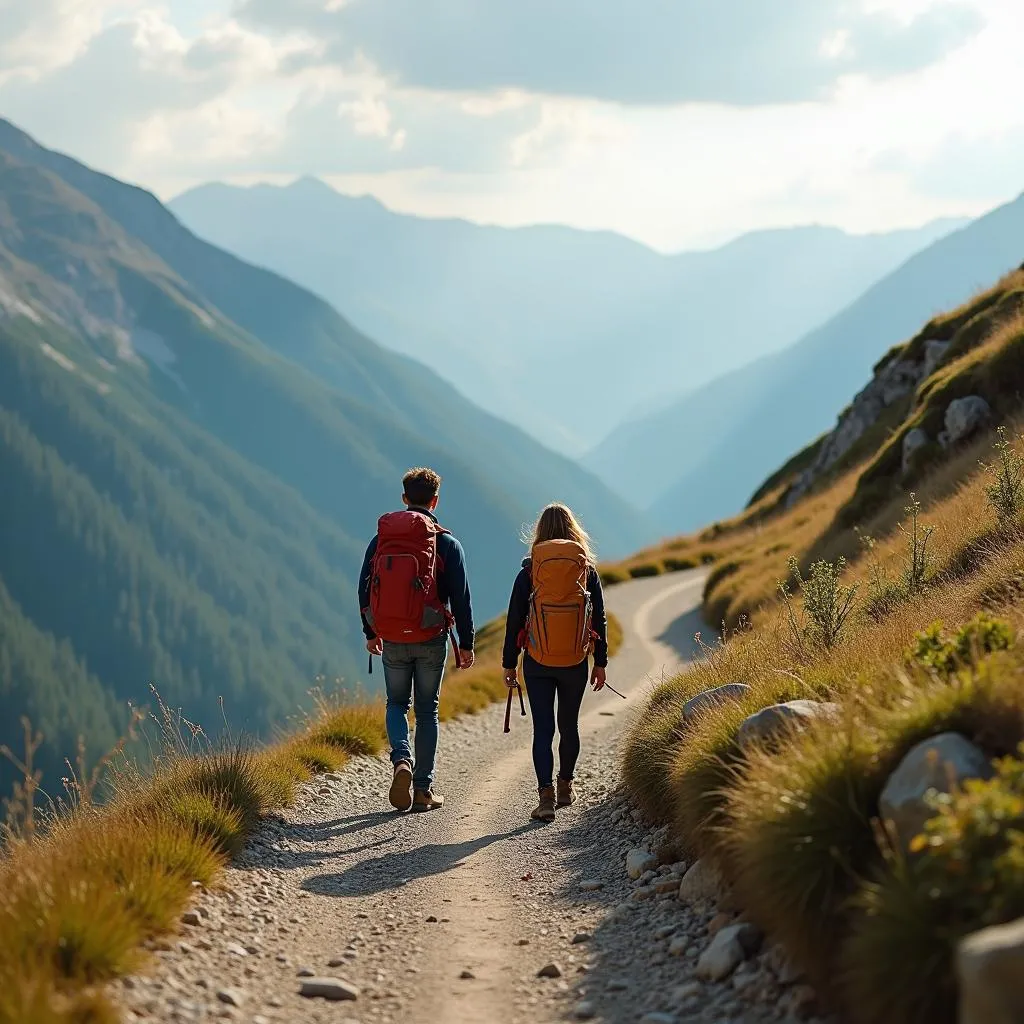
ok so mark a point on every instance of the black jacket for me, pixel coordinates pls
(519, 607)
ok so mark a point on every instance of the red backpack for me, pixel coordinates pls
(404, 604)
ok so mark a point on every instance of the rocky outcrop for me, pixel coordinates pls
(769, 722)
(934, 765)
(964, 417)
(989, 965)
(893, 381)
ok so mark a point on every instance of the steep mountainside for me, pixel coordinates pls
(185, 502)
(746, 423)
(513, 316)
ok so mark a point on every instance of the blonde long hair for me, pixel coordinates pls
(557, 522)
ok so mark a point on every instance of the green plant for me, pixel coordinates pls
(827, 604)
(983, 635)
(918, 567)
(1006, 491)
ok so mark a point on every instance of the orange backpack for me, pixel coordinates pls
(558, 630)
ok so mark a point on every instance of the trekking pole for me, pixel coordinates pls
(508, 711)
(616, 692)
(522, 703)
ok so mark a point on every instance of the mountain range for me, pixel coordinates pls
(564, 332)
(750, 421)
(194, 452)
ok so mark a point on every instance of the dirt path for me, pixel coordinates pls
(448, 917)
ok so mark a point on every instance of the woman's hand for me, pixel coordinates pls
(511, 678)
(597, 678)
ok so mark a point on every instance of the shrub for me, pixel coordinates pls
(918, 565)
(969, 874)
(982, 635)
(610, 576)
(645, 569)
(675, 563)
(827, 604)
(1005, 493)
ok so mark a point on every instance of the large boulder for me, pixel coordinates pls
(964, 416)
(938, 765)
(913, 441)
(769, 722)
(933, 352)
(990, 966)
(714, 698)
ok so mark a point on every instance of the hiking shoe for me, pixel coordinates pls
(426, 800)
(566, 796)
(545, 810)
(401, 787)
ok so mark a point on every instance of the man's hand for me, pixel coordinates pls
(511, 678)
(466, 658)
(597, 678)
(375, 646)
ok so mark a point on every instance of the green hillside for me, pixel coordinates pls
(187, 496)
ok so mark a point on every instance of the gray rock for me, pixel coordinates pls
(580, 937)
(679, 945)
(658, 1018)
(989, 966)
(192, 918)
(687, 991)
(642, 893)
(933, 353)
(963, 418)
(591, 885)
(328, 988)
(728, 949)
(913, 441)
(236, 950)
(639, 862)
(714, 698)
(584, 1010)
(551, 970)
(776, 718)
(936, 764)
(701, 882)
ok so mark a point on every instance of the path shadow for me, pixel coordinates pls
(679, 634)
(393, 870)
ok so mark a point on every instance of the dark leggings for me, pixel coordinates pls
(543, 684)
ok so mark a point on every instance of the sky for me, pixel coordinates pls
(681, 123)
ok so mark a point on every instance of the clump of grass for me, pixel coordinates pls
(674, 563)
(918, 564)
(645, 570)
(1005, 492)
(356, 729)
(827, 603)
(611, 576)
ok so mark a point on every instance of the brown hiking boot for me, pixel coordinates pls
(545, 810)
(566, 796)
(401, 787)
(426, 800)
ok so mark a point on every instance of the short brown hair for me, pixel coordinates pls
(421, 485)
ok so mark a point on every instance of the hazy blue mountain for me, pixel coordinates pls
(723, 440)
(193, 454)
(558, 330)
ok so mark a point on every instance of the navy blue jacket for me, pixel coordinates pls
(519, 608)
(452, 584)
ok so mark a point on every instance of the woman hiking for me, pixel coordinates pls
(556, 615)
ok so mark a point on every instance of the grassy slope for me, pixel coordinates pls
(82, 890)
(793, 828)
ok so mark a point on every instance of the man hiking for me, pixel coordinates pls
(413, 588)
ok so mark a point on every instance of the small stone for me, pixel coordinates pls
(669, 883)
(645, 892)
(192, 918)
(305, 972)
(727, 951)
(591, 885)
(638, 862)
(963, 418)
(679, 945)
(580, 937)
(584, 1010)
(337, 961)
(717, 923)
(773, 721)
(551, 970)
(617, 985)
(467, 975)
(522, 942)
(701, 882)
(235, 949)
(684, 993)
(328, 988)
(231, 996)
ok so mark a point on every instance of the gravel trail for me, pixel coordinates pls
(449, 916)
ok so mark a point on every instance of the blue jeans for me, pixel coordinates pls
(412, 677)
